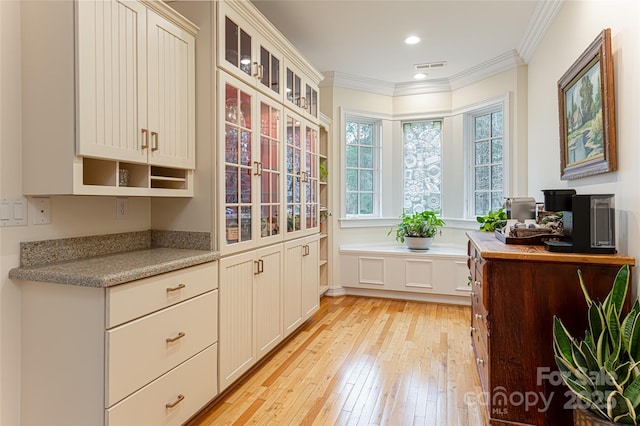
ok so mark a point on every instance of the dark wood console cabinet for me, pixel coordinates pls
(517, 289)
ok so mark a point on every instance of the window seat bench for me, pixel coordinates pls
(390, 270)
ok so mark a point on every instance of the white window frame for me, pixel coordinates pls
(490, 106)
(362, 117)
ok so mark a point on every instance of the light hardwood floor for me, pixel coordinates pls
(363, 361)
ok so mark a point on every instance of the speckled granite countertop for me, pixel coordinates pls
(107, 266)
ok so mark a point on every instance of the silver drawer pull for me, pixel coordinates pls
(179, 287)
(478, 283)
(178, 337)
(480, 361)
(478, 316)
(473, 329)
(174, 403)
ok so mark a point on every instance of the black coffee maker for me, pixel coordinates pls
(589, 221)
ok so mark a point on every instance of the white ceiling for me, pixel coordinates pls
(364, 38)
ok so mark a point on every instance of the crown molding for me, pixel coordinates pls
(540, 21)
(349, 81)
(501, 63)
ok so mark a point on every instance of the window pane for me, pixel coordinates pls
(496, 200)
(352, 180)
(482, 178)
(482, 152)
(366, 203)
(352, 133)
(366, 180)
(422, 166)
(496, 124)
(366, 134)
(496, 151)
(352, 156)
(482, 203)
(352, 203)
(496, 177)
(366, 158)
(482, 127)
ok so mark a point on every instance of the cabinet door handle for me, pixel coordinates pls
(478, 316)
(145, 140)
(478, 283)
(480, 361)
(303, 177)
(178, 287)
(260, 71)
(176, 402)
(473, 329)
(305, 250)
(259, 266)
(258, 171)
(178, 337)
(303, 103)
(154, 139)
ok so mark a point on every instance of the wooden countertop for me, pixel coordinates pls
(491, 248)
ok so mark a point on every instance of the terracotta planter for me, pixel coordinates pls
(587, 418)
(418, 243)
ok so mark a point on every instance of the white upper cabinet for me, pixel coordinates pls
(136, 91)
(118, 78)
(301, 93)
(246, 53)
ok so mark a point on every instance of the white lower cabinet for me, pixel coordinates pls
(138, 353)
(250, 310)
(301, 296)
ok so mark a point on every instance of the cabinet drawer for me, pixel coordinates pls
(141, 350)
(195, 380)
(482, 363)
(134, 300)
(479, 325)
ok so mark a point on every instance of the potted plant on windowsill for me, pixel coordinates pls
(418, 229)
(603, 369)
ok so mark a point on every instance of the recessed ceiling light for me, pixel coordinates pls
(420, 76)
(412, 39)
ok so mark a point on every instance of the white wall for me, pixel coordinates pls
(71, 216)
(574, 28)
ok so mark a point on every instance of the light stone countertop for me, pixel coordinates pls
(113, 269)
(112, 259)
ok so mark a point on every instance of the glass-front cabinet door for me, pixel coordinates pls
(246, 55)
(301, 94)
(301, 174)
(250, 166)
(268, 169)
(237, 113)
(310, 177)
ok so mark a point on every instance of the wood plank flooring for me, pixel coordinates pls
(363, 361)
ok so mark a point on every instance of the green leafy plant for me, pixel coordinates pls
(603, 369)
(419, 224)
(492, 220)
(323, 172)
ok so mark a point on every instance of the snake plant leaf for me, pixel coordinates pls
(627, 328)
(611, 378)
(623, 372)
(619, 290)
(602, 350)
(569, 372)
(632, 392)
(596, 320)
(562, 340)
(619, 408)
(634, 339)
(584, 288)
(613, 324)
(589, 354)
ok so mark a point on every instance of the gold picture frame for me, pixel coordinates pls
(587, 113)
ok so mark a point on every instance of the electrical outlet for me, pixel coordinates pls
(122, 208)
(41, 210)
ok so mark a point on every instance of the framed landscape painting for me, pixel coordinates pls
(587, 113)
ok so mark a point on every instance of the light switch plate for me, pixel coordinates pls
(13, 211)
